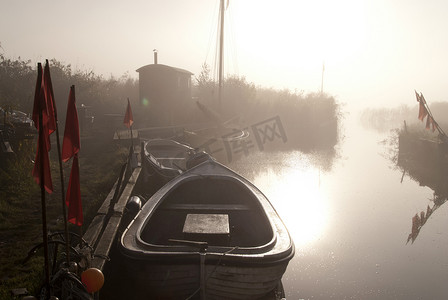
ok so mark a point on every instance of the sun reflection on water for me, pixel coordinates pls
(294, 190)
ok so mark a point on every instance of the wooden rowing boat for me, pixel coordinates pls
(208, 233)
(162, 160)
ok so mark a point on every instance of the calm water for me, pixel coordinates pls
(350, 222)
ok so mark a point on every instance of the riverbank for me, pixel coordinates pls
(20, 204)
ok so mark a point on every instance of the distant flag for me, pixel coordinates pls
(425, 111)
(71, 143)
(433, 124)
(428, 211)
(42, 162)
(417, 96)
(430, 123)
(422, 218)
(422, 98)
(422, 112)
(416, 224)
(73, 198)
(128, 118)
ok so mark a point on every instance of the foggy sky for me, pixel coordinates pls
(375, 52)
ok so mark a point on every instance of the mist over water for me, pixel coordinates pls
(350, 222)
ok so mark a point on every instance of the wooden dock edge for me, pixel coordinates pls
(100, 235)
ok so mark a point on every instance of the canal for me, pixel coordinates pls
(350, 216)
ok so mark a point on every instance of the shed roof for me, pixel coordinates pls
(161, 67)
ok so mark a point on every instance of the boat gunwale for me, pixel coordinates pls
(165, 170)
(218, 249)
(137, 247)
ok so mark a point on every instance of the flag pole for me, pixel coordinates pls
(322, 81)
(130, 128)
(41, 141)
(70, 149)
(132, 138)
(77, 161)
(61, 173)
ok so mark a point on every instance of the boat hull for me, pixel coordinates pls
(180, 281)
(241, 252)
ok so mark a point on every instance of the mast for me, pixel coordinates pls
(322, 82)
(221, 52)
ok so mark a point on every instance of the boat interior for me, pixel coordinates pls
(170, 155)
(219, 210)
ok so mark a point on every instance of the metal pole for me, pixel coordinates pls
(42, 195)
(132, 138)
(221, 52)
(322, 82)
(202, 274)
(61, 174)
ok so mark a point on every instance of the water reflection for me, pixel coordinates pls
(291, 181)
(425, 162)
(353, 244)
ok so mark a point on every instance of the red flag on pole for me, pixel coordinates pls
(38, 98)
(49, 97)
(128, 119)
(42, 162)
(40, 103)
(70, 148)
(428, 122)
(431, 124)
(417, 96)
(71, 143)
(422, 112)
(73, 198)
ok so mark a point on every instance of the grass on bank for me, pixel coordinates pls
(20, 204)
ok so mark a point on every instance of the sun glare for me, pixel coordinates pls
(300, 202)
(298, 34)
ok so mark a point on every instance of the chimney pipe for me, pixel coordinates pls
(155, 56)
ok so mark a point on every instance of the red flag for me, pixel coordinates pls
(42, 162)
(433, 124)
(422, 112)
(417, 96)
(422, 99)
(71, 143)
(49, 97)
(40, 104)
(128, 119)
(73, 197)
(38, 98)
(428, 122)
(428, 211)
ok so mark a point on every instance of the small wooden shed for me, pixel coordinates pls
(164, 91)
(161, 83)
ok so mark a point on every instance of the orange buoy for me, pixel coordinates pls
(93, 279)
